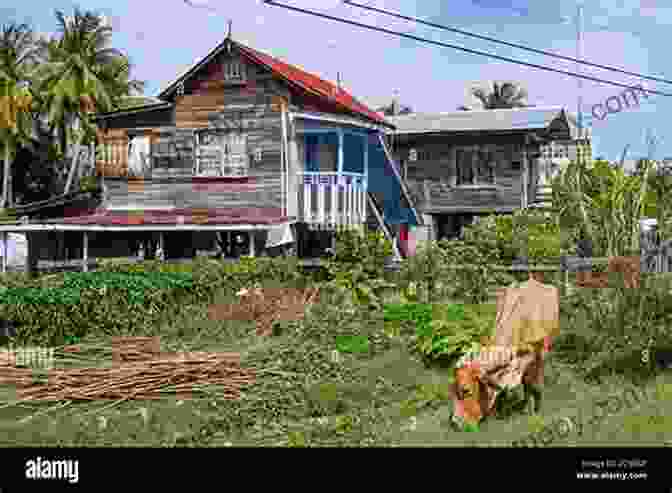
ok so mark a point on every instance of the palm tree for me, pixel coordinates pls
(81, 73)
(506, 95)
(17, 58)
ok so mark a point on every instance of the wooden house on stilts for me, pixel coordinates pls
(243, 146)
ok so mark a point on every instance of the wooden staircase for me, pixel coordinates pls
(375, 221)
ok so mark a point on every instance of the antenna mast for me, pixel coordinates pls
(579, 56)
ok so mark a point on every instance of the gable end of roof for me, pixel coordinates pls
(304, 80)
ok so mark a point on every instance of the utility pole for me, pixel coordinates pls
(579, 56)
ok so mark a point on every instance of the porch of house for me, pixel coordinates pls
(329, 182)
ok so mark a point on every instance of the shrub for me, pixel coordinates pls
(356, 273)
(424, 276)
(473, 281)
(613, 329)
(527, 233)
(369, 249)
(211, 276)
(102, 302)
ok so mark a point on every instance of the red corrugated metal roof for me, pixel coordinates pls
(312, 83)
(257, 215)
(305, 80)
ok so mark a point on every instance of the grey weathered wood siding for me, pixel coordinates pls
(250, 109)
(432, 179)
(183, 192)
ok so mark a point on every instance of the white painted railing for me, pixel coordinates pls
(333, 199)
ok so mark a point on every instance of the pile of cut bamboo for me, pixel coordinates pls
(126, 349)
(180, 375)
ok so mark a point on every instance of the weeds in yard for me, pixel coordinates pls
(608, 331)
(348, 374)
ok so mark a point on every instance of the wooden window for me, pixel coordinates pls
(475, 167)
(235, 161)
(234, 71)
(486, 167)
(465, 169)
(222, 154)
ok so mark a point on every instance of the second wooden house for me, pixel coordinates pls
(465, 164)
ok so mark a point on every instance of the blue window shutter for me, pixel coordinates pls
(311, 153)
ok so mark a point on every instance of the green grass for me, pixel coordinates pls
(376, 394)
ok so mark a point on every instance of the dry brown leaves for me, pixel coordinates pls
(267, 306)
(628, 266)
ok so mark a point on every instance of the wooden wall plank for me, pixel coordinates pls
(432, 182)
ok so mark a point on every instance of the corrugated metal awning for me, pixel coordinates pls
(160, 220)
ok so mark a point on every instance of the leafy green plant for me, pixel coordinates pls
(504, 237)
(357, 270)
(449, 337)
(423, 276)
(76, 304)
(370, 249)
(470, 280)
(71, 340)
(443, 332)
(420, 315)
(352, 344)
(610, 329)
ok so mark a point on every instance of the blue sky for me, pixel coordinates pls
(165, 37)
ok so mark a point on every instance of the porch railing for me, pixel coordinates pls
(331, 199)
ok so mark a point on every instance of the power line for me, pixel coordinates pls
(505, 43)
(460, 48)
(199, 6)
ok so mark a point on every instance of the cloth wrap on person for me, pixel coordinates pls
(527, 320)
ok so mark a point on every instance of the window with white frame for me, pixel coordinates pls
(234, 71)
(222, 154)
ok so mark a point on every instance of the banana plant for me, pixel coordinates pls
(605, 202)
